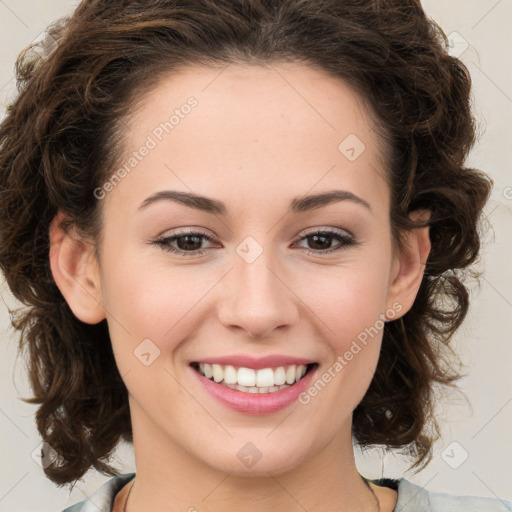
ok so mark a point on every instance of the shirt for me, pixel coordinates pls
(411, 498)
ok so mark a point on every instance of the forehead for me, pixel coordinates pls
(250, 96)
(286, 125)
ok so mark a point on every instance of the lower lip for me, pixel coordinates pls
(255, 403)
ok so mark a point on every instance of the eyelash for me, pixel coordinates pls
(164, 242)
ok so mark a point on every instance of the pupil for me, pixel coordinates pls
(186, 245)
(316, 237)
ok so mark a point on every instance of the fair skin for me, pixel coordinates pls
(255, 141)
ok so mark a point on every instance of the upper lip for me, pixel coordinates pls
(247, 361)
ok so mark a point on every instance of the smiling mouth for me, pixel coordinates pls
(249, 380)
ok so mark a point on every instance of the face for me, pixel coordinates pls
(244, 279)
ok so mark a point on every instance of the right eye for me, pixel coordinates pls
(185, 239)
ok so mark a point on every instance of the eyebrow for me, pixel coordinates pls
(297, 205)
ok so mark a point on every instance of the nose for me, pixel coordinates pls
(260, 299)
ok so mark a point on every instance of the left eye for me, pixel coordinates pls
(319, 237)
(188, 242)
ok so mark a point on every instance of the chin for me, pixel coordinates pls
(249, 461)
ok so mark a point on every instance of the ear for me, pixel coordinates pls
(409, 265)
(76, 273)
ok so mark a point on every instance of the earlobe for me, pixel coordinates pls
(409, 265)
(75, 272)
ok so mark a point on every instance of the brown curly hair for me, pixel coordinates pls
(63, 134)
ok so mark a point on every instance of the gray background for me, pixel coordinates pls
(474, 455)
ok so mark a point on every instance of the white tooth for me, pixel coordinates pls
(230, 374)
(279, 376)
(218, 373)
(256, 389)
(265, 378)
(247, 380)
(301, 371)
(290, 374)
(207, 370)
(246, 377)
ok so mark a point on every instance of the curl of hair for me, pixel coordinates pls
(62, 137)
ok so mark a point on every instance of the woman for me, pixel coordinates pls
(236, 223)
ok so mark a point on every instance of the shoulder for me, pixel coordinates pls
(414, 498)
(102, 499)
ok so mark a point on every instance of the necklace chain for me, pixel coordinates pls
(377, 502)
(364, 480)
(126, 502)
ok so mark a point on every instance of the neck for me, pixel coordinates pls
(171, 479)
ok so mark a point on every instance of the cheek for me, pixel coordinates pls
(356, 322)
(350, 304)
(351, 310)
(146, 300)
(350, 299)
